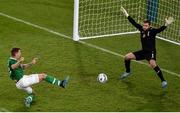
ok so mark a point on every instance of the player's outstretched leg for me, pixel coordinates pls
(158, 72)
(52, 80)
(127, 61)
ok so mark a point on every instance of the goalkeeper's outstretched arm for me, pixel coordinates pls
(168, 21)
(134, 23)
(131, 20)
(162, 28)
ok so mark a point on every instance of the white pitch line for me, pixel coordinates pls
(82, 42)
(4, 110)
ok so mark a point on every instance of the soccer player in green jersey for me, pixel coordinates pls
(16, 69)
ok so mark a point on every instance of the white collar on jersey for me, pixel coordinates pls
(13, 58)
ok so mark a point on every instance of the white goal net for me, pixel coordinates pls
(100, 18)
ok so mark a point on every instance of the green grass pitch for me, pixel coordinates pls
(60, 57)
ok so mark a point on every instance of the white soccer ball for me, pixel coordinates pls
(102, 78)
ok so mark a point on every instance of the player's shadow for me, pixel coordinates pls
(80, 64)
(129, 85)
(155, 98)
(78, 58)
(26, 109)
(83, 57)
(23, 109)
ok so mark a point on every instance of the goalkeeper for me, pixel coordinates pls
(148, 42)
(24, 82)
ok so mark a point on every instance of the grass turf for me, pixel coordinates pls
(61, 57)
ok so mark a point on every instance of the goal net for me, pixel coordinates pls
(101, 18)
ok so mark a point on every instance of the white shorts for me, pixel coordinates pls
(26, 82)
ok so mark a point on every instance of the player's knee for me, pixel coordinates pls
(42, 76)
(128, 56)
(152, 64)
(29, 90)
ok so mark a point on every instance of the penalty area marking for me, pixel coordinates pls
(82, 42)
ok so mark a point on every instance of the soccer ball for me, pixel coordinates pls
(102, 78)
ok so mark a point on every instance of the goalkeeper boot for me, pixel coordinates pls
(164, 84)
(64, 83)
(125, 75)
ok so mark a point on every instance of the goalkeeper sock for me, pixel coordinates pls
(159, 73)
(52, 80)
(127, 65)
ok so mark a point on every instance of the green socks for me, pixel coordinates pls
(30, 98)
(52, 80)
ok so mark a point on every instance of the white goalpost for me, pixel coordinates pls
(102, 18)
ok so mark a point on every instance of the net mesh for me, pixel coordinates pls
(104, 17)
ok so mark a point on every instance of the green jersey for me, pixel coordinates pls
(15, 74)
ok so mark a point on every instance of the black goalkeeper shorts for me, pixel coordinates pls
(142, 54)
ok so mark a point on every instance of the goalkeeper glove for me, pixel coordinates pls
(124, 11)
(168, 21)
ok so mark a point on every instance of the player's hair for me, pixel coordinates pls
(14, 51)
(147, 21)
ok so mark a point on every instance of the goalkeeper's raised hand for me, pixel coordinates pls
(169, 20)
(124, 11)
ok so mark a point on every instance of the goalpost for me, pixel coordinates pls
(102, 18)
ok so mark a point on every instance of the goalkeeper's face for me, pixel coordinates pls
(146, 26)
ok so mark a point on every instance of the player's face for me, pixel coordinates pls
(18, 54)
(146, 26)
